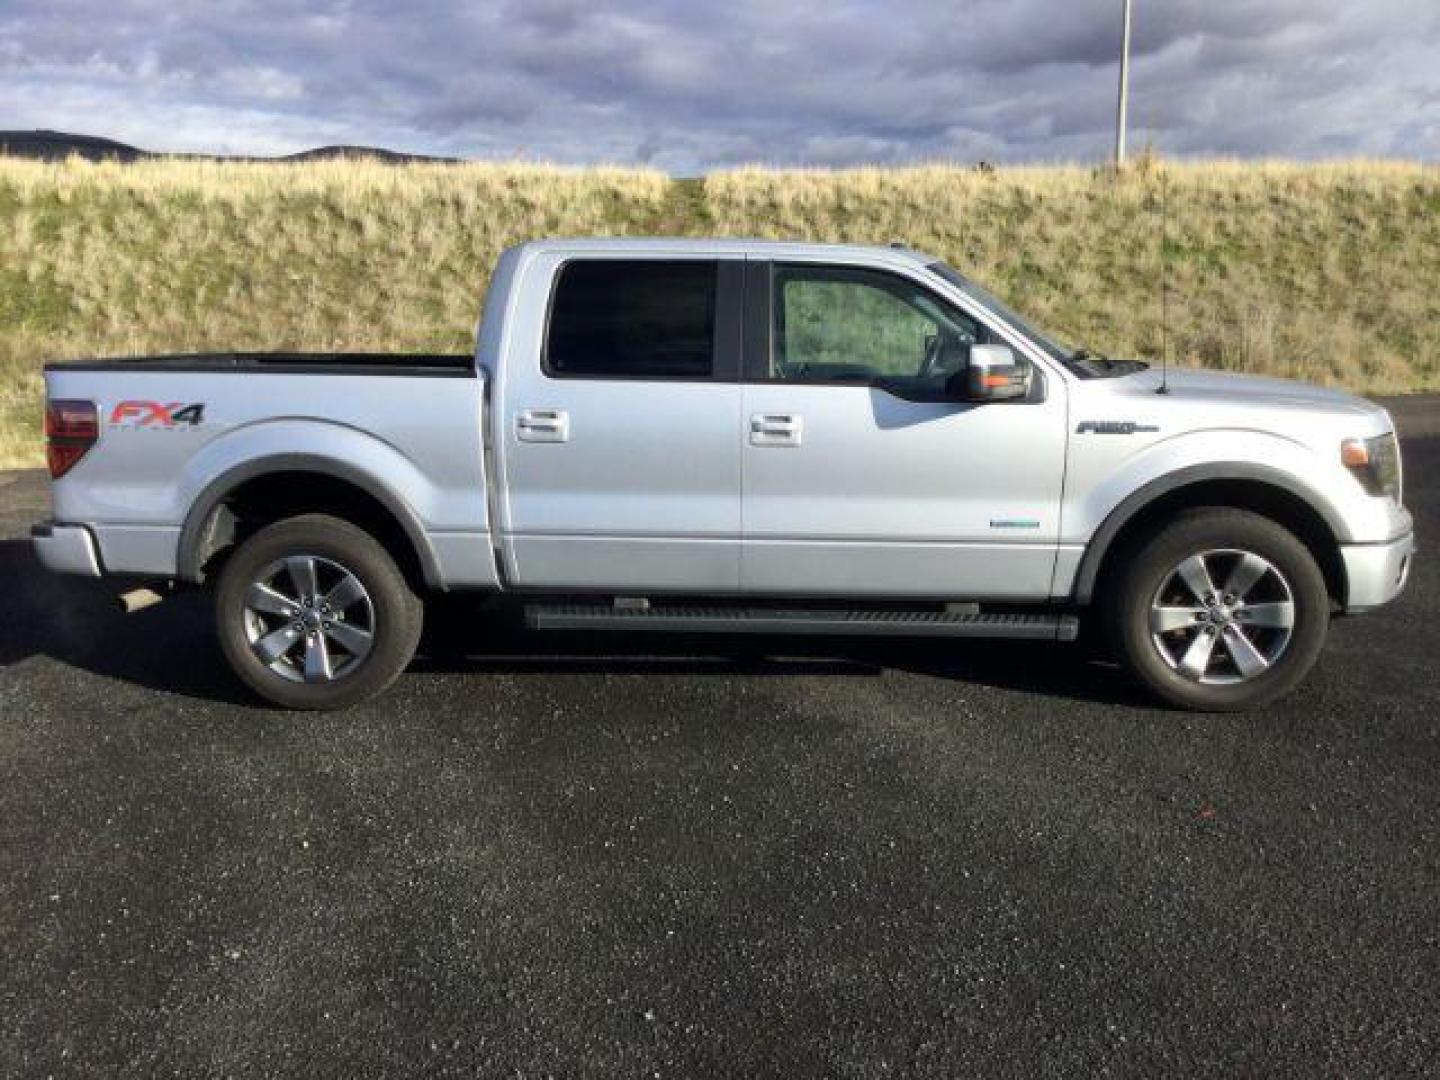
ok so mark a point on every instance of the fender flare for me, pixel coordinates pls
(201, 514)
(1104, 537)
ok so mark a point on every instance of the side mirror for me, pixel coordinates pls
(995, 373)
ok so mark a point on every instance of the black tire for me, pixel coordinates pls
(1148, 567)
(393, 613)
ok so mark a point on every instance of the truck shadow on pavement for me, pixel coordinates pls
(78, 623)
(457, 642)
(171, 647)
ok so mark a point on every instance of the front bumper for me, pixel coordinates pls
(65, 549)
(1375, 573)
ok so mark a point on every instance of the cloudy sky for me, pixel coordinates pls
(688, 85)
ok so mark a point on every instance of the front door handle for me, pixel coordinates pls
(542, 425)
(776, 429)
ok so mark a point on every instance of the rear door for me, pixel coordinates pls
(860, 477)
(620, 460)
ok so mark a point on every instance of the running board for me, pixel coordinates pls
(723, 620)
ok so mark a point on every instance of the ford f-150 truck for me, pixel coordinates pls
(734, 436)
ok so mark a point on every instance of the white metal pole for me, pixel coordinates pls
(1120, 108)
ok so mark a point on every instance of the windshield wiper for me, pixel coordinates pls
(1097, 364)
(1090, 361)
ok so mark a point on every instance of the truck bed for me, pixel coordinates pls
(176, 431)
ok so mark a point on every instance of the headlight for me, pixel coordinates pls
(1375, 463)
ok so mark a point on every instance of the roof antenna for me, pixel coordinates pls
(1164, 387)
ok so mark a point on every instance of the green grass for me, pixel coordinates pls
(1325, 272)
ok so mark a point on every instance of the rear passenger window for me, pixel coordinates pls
(628, 318)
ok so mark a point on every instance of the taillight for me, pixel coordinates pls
(71, 428)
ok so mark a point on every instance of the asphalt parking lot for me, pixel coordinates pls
(581, 855)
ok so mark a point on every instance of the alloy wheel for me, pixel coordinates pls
(309, 619)
(1222, 617)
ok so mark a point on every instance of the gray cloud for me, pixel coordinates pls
(689, 84)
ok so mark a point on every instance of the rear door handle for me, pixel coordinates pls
(542, 425)
(776, 429)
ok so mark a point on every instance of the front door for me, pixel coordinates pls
(857, 479)
(621, 468)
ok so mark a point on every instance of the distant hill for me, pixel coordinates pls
(323, 153)
(59, 145)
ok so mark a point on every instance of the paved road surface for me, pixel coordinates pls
(612, 857)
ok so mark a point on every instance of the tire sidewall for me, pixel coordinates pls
(1199, 531)
(396, 610)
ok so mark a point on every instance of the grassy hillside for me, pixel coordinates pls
(1326, 272)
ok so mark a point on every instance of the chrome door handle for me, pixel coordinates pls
(542, 425)
(776, 429)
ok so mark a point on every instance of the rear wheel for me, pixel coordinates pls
(1221, 610)
(313, 613)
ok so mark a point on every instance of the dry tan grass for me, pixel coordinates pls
(1326, 272)
(184, 255)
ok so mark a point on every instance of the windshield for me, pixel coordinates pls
(1080, 361)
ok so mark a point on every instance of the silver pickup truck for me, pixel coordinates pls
(734, 436)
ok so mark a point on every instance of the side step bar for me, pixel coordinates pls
(723, 620)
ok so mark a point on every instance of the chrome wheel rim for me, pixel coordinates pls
(1222, 617)
(309, 619)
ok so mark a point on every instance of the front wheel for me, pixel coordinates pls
(313, 613)
(1221, 610)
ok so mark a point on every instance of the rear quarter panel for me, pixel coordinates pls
(418, 437)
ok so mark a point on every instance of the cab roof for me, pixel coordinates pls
(770, 249)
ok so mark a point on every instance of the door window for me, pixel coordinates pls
(843, 325)
(622, 318)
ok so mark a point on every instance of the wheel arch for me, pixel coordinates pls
(1269, 492)
(267, 489)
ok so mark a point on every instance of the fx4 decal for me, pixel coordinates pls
(1112, 427)
(157, 414)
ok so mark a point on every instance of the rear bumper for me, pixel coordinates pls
(1375, 573)
(65, 549)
